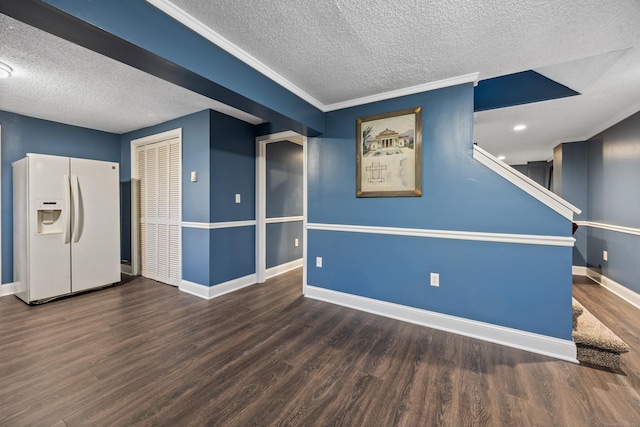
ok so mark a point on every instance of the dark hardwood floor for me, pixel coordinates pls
(144, 353)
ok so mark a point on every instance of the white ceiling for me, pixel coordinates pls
(57, 80)
(334, 51)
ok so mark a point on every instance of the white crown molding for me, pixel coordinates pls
(526, 239)
(425, 87)
(283, 268)
(216, 225)
(526, 184)
(198, 27)
(528, 341)
(210, 292)
(611, 285)
(7, 289)
(610, 227)
(283, 219)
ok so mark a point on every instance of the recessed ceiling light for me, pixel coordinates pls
(519, 127)
(501, 157)
(5, 70)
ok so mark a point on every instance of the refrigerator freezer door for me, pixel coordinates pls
(49, 257)
(21, 228)
(95, 251)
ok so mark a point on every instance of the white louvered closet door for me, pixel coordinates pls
(159, 171)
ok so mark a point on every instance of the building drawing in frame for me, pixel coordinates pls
(389, 154)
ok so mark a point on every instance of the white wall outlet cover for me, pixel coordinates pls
(237, 198)
(296, 243)
(435, 279)
(319, 262)
(605, 255)
(194, 176)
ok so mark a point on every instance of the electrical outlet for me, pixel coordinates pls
(605, 255)
(296, 243)
(237, 198)
(319, 261)
(435, 279)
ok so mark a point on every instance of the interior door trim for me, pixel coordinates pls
(261, 200)
(135, 187)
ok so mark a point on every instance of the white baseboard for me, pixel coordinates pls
(578, 270)
(209, 292)
(283, 268)
(126, 269)
(535, 343)
(623, 292)
(7, 289)
(196, 289)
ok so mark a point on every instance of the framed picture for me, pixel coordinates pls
(389, 154)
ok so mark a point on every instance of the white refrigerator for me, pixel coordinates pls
(66, 226)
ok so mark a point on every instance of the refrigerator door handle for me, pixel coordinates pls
(76, 208)
(67, 203)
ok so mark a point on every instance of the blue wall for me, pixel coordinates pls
(607, 172)
(233, 253)
(527, 287)
(22, 135)
(570, 183)
(284, 198)
(232, 154)
(232, 158)
(284, 165)
(614, 174)
(280, 242)
(538, 171)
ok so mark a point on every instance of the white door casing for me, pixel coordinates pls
(261, 201)
(156, 206)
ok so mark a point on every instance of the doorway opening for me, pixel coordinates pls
(279, 220)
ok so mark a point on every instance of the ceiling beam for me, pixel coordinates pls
(277, 105)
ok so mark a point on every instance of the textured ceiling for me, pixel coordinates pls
(340, 50)
(54, 79)
(335, 51)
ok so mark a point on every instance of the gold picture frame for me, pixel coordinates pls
(389, 154)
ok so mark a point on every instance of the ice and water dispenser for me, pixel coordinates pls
(49, 216)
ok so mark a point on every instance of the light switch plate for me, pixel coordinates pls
(237, 198)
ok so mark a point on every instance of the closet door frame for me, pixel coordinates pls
(135, 189)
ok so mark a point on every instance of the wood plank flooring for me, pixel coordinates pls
(147, 354)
